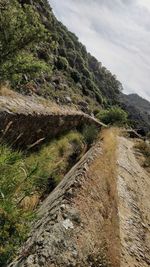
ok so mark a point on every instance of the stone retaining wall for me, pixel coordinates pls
(25, 123)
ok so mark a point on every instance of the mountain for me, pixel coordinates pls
(138, 109)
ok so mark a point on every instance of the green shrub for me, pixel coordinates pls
(23, 65)
(24, 175)
(62, 63)
(62, 147)
(75, 76)
(86, 73)
(21, 29)
(90, 133)
(114, 116)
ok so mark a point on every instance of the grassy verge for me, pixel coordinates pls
(26, 179)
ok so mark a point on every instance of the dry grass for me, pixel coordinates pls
(29, 203)
(99, 211)
(6, 91)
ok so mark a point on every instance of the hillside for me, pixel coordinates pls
(56, 64)
(40, 56)
(138, 109)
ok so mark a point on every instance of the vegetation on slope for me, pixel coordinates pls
(39, 54)
(113, 116)
(20, 29)
(138, 110)
(26, 179)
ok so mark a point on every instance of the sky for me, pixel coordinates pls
(117, 33)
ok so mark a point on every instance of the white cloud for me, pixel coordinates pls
(117, 33)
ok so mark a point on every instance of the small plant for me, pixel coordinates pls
(90, 133)
(62, 147)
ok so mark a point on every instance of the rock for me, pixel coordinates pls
(68, 100)
(67, 224)
(83, 104)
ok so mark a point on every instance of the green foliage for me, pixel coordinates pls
(75, 76)
(13, 222)
(114, 116)
(90, 133)
(86, 73)
(62, 63)
(22, 67)
(33, 44)
(23, 175)
(20, 28)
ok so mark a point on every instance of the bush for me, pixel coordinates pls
(62, 147)
(86, 73)
(90, 133)
(75, 76)
(22, 29)
(62, 63)
(113, 116)
(23, 65)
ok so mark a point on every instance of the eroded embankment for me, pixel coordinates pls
(26, 123)
(78, 223)
(134, 207)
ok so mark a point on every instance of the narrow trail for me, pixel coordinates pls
(134, 207)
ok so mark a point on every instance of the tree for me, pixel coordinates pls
(20, 27)
(75, 76)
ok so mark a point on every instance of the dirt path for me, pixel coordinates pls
(134, 207)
